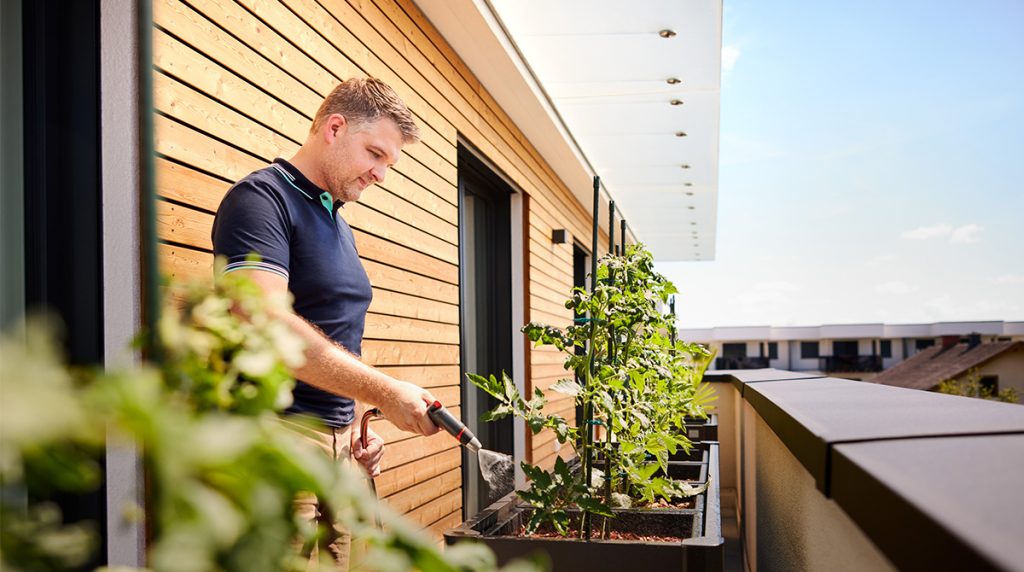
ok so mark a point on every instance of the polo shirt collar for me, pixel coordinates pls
(311, 191)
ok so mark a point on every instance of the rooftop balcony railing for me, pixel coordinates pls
(850, 364)
(821, 473)
(742, 363)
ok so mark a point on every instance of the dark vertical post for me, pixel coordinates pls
(588, 408)
(609, 462)
(611, 227)
(147, 184)
(623, 233)
(672, 309)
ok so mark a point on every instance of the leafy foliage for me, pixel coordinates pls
(223, 471)
(636, 380)
(971, 386)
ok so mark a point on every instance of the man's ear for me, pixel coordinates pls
(334, 126)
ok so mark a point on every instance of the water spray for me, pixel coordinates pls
(496, 468)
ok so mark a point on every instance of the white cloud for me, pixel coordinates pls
(926, 232)
(1009, 279)
(966, 234)
(895, 287)
(729, 56)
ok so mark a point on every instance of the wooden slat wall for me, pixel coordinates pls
(236, 85)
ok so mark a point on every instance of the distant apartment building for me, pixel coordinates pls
(856, 351)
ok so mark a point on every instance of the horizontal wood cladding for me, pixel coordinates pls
(236, 84)
(401, 478)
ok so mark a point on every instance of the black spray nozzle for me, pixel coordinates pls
(445, 420)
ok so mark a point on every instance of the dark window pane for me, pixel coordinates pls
(846, 348)
(734, 350)
(773, 350)
(809, 349)
(924, 343)
(991, 383)
(886, 348)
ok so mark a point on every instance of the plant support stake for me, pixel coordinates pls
(623, 239)
(588, 408)
(611, 227)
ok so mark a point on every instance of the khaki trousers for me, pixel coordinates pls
(336, 443)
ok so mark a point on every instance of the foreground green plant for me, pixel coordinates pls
(635, 382)
(222, 470)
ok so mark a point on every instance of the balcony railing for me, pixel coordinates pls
(741, 363)
(827, 473)
(850, 364)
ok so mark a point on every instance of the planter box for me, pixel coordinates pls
(702, 548)
(699, 430)
(698, 454)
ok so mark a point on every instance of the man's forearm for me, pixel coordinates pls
(334, 369)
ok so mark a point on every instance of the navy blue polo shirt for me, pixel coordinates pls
(294, 226)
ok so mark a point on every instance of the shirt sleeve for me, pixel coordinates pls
(252, 219)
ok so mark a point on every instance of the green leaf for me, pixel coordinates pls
(567, 387)
(594, 506)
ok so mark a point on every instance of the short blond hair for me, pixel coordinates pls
(365, 100)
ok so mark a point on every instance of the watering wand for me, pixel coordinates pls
(444, 419)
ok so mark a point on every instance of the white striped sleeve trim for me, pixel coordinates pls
(253, 265)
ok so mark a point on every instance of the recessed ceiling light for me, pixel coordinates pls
(676, 102)
(689, 193)
(693, 223)
(688, 184)
(666, 33)
(686, 165)
(680, 134)
(673, 80)
(691, 207)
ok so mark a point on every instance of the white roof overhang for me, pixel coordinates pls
(588, 83)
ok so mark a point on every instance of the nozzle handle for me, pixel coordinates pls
(444, 419)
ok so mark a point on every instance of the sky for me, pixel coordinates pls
(871, 166)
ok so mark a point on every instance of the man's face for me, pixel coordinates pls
(359, 155)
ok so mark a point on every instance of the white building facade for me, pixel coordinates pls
(857, 351)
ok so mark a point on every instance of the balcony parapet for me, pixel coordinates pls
(932, 480)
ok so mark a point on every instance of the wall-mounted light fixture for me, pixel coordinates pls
(676, 102)
(686, 165)
(680, 134)
(673, 81)
(560, 236)
(666, 33)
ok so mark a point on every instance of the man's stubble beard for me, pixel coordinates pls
(342, 190)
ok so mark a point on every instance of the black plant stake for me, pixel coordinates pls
(588, 408)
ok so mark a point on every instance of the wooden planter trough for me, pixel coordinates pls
(701, 528)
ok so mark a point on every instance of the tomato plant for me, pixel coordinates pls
(632, 379)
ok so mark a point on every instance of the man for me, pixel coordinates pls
(288, 214)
